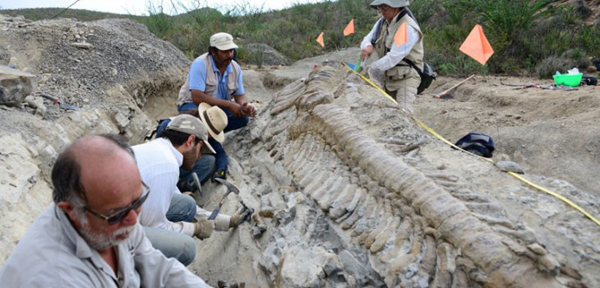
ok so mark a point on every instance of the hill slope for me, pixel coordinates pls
(529, 37)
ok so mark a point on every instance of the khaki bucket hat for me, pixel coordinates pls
(391, 3)
(215, 120)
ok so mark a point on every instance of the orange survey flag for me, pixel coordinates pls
(350, 28)
(320, 39)
(401, 36)
(477, 46)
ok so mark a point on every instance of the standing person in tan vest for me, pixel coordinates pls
(395, 68)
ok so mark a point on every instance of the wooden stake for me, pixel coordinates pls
(453, 87)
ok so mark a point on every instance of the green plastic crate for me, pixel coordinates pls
(572, 80)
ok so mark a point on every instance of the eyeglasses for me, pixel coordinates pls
(118, 216)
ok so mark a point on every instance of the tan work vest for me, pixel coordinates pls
(401, 76)
(212, 81)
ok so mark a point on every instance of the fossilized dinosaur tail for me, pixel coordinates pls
(421, 228)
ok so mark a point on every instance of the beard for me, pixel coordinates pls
(189, 159)
(101, 241)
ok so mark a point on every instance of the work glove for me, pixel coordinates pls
(238, 217)
(203, 228)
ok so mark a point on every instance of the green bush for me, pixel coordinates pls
(548, 67)
(589, 39)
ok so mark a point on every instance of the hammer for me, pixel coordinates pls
(230, 188)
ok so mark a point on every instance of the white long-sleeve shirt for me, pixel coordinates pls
(397, 53)
(159, 163)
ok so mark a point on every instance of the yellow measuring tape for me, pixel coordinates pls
(370, 82)
(519, 177)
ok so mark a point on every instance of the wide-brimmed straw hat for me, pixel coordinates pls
(215, 120)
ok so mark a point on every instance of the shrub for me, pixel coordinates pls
(424, 10)
(589, 39)
(582, 11)
(531, 35)
(548, 67)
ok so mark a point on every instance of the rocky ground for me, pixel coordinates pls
(291, 166)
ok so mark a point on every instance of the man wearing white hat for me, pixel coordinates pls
(397, 66)
(216, 79)
(167, 214)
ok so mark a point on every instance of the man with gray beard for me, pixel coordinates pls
(90, 235)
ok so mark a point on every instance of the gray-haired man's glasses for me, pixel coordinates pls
(118, 216)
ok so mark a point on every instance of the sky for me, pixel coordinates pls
(140, 7)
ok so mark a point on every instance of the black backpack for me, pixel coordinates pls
(427, 75)
(478, 144)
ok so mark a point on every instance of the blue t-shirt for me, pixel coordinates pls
(197, 78)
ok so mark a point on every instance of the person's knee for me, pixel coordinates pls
(203, 168)
(182, 208)
(210, 161)
(188, 252)
(237, 123)
(211, 165)
(244, 120)
(186, 107)
(172, 244)
(190, 209)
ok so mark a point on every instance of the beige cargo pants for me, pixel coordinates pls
(402, 85)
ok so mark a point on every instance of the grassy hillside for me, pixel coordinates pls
(529, 37)
(79, 14)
